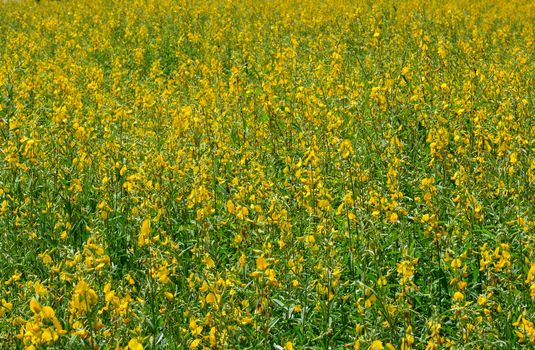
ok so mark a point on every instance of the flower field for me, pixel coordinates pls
(245, 174)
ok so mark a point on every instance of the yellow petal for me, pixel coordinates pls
(194, 343)
(34, 306)
(210, 298)
(261, 263)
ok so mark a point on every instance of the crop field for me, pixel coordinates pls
(254, 174)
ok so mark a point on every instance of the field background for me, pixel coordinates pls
(267, 174)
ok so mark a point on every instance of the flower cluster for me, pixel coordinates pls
(188, 174)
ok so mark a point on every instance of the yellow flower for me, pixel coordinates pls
(48, 312)
(83, 299)
(345, 149)
(231, 208)
(143, 237)
(169, 296)
(210, 298)
(212, 337)
(358, 328)
(134, 344)
(376, 345)
(34, 306)
(456, 263)
(246, 320)
(261, 263)
(458, 296)
(6, 306)
(194, 344)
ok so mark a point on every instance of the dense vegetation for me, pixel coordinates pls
(267, 174)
